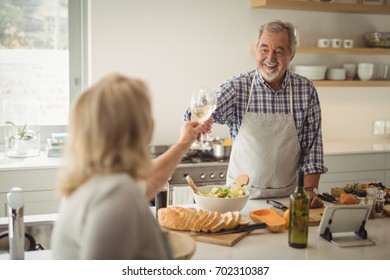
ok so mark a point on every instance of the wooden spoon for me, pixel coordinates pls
(241, 180)
(192, 185)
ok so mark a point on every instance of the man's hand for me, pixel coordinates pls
(207, 126)
(315, 202)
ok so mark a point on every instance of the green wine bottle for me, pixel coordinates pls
(299, 215)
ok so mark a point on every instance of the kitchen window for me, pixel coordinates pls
(43, 58)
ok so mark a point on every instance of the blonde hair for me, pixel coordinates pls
(109, 131)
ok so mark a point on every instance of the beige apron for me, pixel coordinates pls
(267, 149)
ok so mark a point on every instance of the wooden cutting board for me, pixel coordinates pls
(221, 239)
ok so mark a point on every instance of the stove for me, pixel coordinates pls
(203, 167)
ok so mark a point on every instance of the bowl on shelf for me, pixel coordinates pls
(221, 205)
(312, 72)
(365, 71)
(336, 74)
(377, 39)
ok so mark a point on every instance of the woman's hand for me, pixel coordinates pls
(190, 131)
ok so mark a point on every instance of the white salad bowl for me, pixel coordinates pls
(221, 205)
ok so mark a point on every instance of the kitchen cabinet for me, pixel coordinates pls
(39, 190)
(350, 168)
(336, 8)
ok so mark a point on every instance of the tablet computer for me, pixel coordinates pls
(344, 225)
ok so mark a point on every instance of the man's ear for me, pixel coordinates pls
(292, 57)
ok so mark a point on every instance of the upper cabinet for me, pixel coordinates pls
(322, 7)
(357, 8)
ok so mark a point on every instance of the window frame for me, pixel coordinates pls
(79, 60)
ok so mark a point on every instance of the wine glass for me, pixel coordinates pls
(203, 104)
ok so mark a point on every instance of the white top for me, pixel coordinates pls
(108, 218)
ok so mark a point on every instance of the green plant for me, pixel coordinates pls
(22, 133)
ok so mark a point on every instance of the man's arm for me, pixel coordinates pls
(311, 182)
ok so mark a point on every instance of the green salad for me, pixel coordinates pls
(226, 192)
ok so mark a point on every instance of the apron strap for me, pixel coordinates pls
(251, 90)
(291, 101)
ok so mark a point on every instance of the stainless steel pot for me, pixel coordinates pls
(220, 151)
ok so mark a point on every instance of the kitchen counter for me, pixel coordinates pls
(262, 244)
(334, 147)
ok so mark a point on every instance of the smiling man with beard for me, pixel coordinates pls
(274, 119)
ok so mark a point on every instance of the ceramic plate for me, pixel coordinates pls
(183, 246)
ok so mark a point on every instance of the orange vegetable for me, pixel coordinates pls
(347, 199)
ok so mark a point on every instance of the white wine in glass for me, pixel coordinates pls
(203, 104)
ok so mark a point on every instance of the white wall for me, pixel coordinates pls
(180, 45)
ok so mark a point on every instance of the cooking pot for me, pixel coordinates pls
(221, 151)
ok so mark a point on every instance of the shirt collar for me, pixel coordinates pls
(284, 83)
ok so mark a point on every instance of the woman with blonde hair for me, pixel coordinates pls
(108, 177)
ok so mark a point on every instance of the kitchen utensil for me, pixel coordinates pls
(335, 43)
(238, 229)
(350, 70)
(274, 222)
(313, 72)
(365, 71)
(220, 239)
(323, 43)
(327, 198)
(347, 43)
(221, 205)
(336, 74)
(277, 204)
(331, 197)
(241, 180)
(192, 185)
(221, 151)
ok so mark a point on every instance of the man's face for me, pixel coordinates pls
(273, 57)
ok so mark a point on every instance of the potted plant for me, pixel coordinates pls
(21, 141)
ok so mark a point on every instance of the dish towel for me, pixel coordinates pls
(182, 195)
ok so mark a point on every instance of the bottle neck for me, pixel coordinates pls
(299, 180)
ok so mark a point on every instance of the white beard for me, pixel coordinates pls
(269, 77)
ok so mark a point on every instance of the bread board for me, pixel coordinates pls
(221, 239)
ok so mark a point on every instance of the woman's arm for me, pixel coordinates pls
(165, 164)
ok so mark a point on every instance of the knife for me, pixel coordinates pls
(328, 198)
(325, 196)
(234, 230)
(277, 204)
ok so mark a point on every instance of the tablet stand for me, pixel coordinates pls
(362, 232)
(345, 225)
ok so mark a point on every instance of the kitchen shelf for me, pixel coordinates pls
(356, 8)
(326, 83)
(352, 51)
(347, 51)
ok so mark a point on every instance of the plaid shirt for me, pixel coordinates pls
(233, 98)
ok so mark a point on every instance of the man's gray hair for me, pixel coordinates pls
(278, 26)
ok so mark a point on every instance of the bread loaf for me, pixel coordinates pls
(190, 219)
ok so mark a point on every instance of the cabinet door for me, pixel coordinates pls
(28, 179)
(35, 202)
(355, 162)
